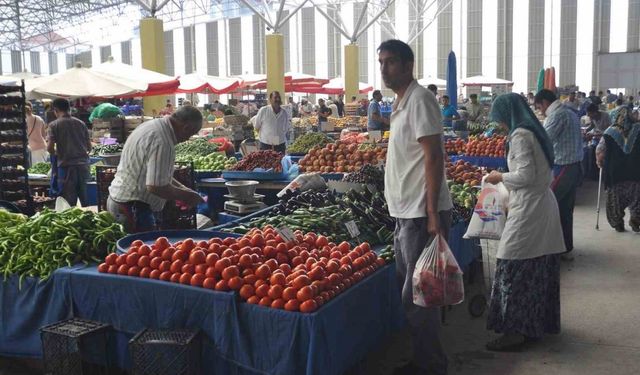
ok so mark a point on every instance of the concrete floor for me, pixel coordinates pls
(600, 310)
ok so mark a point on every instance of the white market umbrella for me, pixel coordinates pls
(485, 81)
(198, 83)
(79, 82)
(157, 83)
(432, 81)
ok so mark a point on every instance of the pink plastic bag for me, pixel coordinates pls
(437, 278)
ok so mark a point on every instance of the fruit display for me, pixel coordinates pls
(266, 159)
(308, 141)
(189, 150)
(99, 149)
(39, 245)
(216, 161)
(455, 146)
(486, 146)
(297, 276)
(350, 137)
(368, 174)
(463, 195)
(462, 172)
(40, 168)
(340, 157)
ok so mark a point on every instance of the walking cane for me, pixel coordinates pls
(598, 206)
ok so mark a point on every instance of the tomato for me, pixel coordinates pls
(144, 250)
(344, 247)
(292, 305)
(259, 282)
(187, 244)
(161, 243)
(227, 253)
(322, 241)
(155, 274)
(380, 261)
(210, 272)
(103, 267)
(289, 293)
(111, 259)
(176, 266)
(164, 266)
(278, 279)
(133, 271)
(235, 283)
(229, 272)
(143, 261)
(188, 268)
(286, 269)
(179, 255)
(202, 244)
(301, 281)
(257, 240)
(278, 303)
(229, 241)
(144, 272)
(201, 268)
(197, 257)
(120, 260)
(297, 261)
(174, 278)
(263, 272)
(262, 290)
(197, 279)
(209, 283)
(137, 243)
(308, 306)
(365, 247)
(305, 293)
(253, 300)
(245, 261)
(250, 279)
(222, 264)
(123, 269)
(164, 276)
(211, 259)
(346, 260)
(222, 285)
(318, 273)
(275, 291)
(335, 278)
(246, 291)
(265, 301)
(185, 278)
(155, 254)
(155, 263)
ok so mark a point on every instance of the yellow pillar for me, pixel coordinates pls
(351, 71)
(275, 64)
(152, 51)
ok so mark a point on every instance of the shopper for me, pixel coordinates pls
(69, 142)
(474, 109)
(600, 120)
(525, 297)
(611, 97)
(375, 119)
(294, 108)
(144, 179)
(449, 112)
(618, 154)
(417, 194)
(572, 103)
(323, 114)
(333, 107)
(273, 124)
(306, 109)
(37, 134)
(595, 99)
(340, 105)
(49, 114)
(563, 128)
(433, 88)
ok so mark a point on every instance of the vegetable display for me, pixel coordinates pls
(266, 159)
(214, 162)
(37, 246)
(299, 275)
(388, 254)
(368, 174)
(98, 150)
(293, 200)
(455, 146)
(40, 168)
(187, 151)
(308, 141)
(340, 157)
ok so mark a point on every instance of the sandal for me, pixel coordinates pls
(506, 344)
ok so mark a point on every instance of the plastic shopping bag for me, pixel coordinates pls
(490, 212)
(437, 278)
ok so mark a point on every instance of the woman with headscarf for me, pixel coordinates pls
(618, 154)
(525, 297)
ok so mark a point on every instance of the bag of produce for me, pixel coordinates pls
(437, 278)
(304, 182)
(490, 212)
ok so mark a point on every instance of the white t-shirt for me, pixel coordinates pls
(415, 116)
(273, 127)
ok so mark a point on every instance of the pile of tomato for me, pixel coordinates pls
(261, 267)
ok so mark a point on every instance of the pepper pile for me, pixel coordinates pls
(97, 150)
(38, 246)
(188, 150)
(266, 159)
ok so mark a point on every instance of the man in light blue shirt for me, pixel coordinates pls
(376, 120)
(563, 127)
(449, 112)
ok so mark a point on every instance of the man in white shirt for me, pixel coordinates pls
(144, 179)
(273, 124)
(416, 192)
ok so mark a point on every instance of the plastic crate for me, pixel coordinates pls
(170, 352)
(75, 347)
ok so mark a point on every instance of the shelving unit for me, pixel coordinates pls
(14, 157)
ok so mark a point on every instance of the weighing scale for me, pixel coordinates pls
(242, 197)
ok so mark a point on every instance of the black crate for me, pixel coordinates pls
(75, 347)
(170, 352)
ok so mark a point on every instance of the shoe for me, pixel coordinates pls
(635, 226)
(619, 228)
(566, 257)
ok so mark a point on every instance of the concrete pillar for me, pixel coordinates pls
(351, 70)
(152, 54)
(275, 64)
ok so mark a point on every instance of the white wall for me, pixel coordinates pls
(247, 45)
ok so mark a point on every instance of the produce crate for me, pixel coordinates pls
(75, 347)
(160, 352)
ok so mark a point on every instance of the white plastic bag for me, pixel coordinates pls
(304, 182)
(437, 278)
(490, 212)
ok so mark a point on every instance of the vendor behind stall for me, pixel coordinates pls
(273, 123)
(144, 179)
